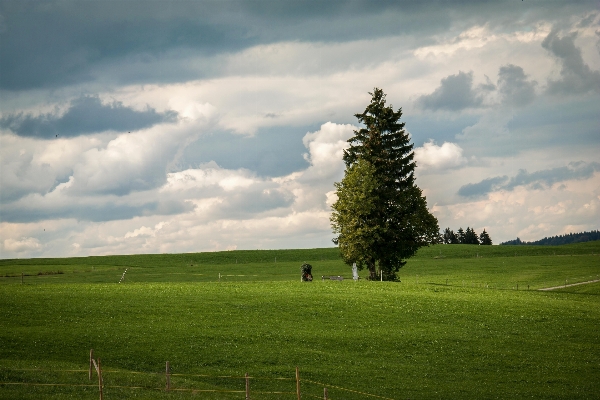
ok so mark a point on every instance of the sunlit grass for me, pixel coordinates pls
(421, 338)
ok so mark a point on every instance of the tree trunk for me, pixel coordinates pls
(372, 270)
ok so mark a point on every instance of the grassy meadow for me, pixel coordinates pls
(465, 322)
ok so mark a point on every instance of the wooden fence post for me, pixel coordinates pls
(247, 387)
(298, 383)
(100, 383)
(168, 378)
(91, 362)
(324, 393)
(21, 278)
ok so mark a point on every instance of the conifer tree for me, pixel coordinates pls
(470, 236)
(399, 220)
(449, 237)
(460, 236)
(484, 238)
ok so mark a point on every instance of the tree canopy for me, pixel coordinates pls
(381, 216)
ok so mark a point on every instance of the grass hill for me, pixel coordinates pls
(465, 322)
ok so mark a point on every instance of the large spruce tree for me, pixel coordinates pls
(394, 221)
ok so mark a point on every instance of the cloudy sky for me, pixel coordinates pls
(180, 126)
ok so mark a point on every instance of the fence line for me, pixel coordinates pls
(166, 375)
(193, 390)
(521, 285)
(347, 390)
(45, 384)
(108, 371)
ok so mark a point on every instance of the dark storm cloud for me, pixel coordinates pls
(85, 115)
(51, 44)
(514, 87)
(275, 151)
(247, 203)
(25, 212)
(481, 188)
(18, 179)
(546, 178)
(454, 93)
(575, 76)
(443, 128)
(587, 21)
(536, 180)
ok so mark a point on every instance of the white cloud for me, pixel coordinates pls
(476, 37)
(326, 149)
(529, 214)
(472, 38)
(104, 163)
(438, 158)
(232, 208)
(204, 112)
(135, 161)
(21, 245)
(207, 175)
(145, 231)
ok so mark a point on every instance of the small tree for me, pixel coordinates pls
(449, 237)
(460, 236)
(485, 239)
(470, 236)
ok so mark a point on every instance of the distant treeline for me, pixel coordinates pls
(465, 237)
(559, 239)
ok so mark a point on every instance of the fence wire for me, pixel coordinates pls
(162, 375)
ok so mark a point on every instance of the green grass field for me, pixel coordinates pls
(455, 327)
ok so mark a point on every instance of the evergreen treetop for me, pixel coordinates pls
(383, 143)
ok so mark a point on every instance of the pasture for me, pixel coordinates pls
(465, 322)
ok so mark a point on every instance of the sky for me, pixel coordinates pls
(185, 126)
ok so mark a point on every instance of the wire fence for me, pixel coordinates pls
(110, 384)
(454, 282)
